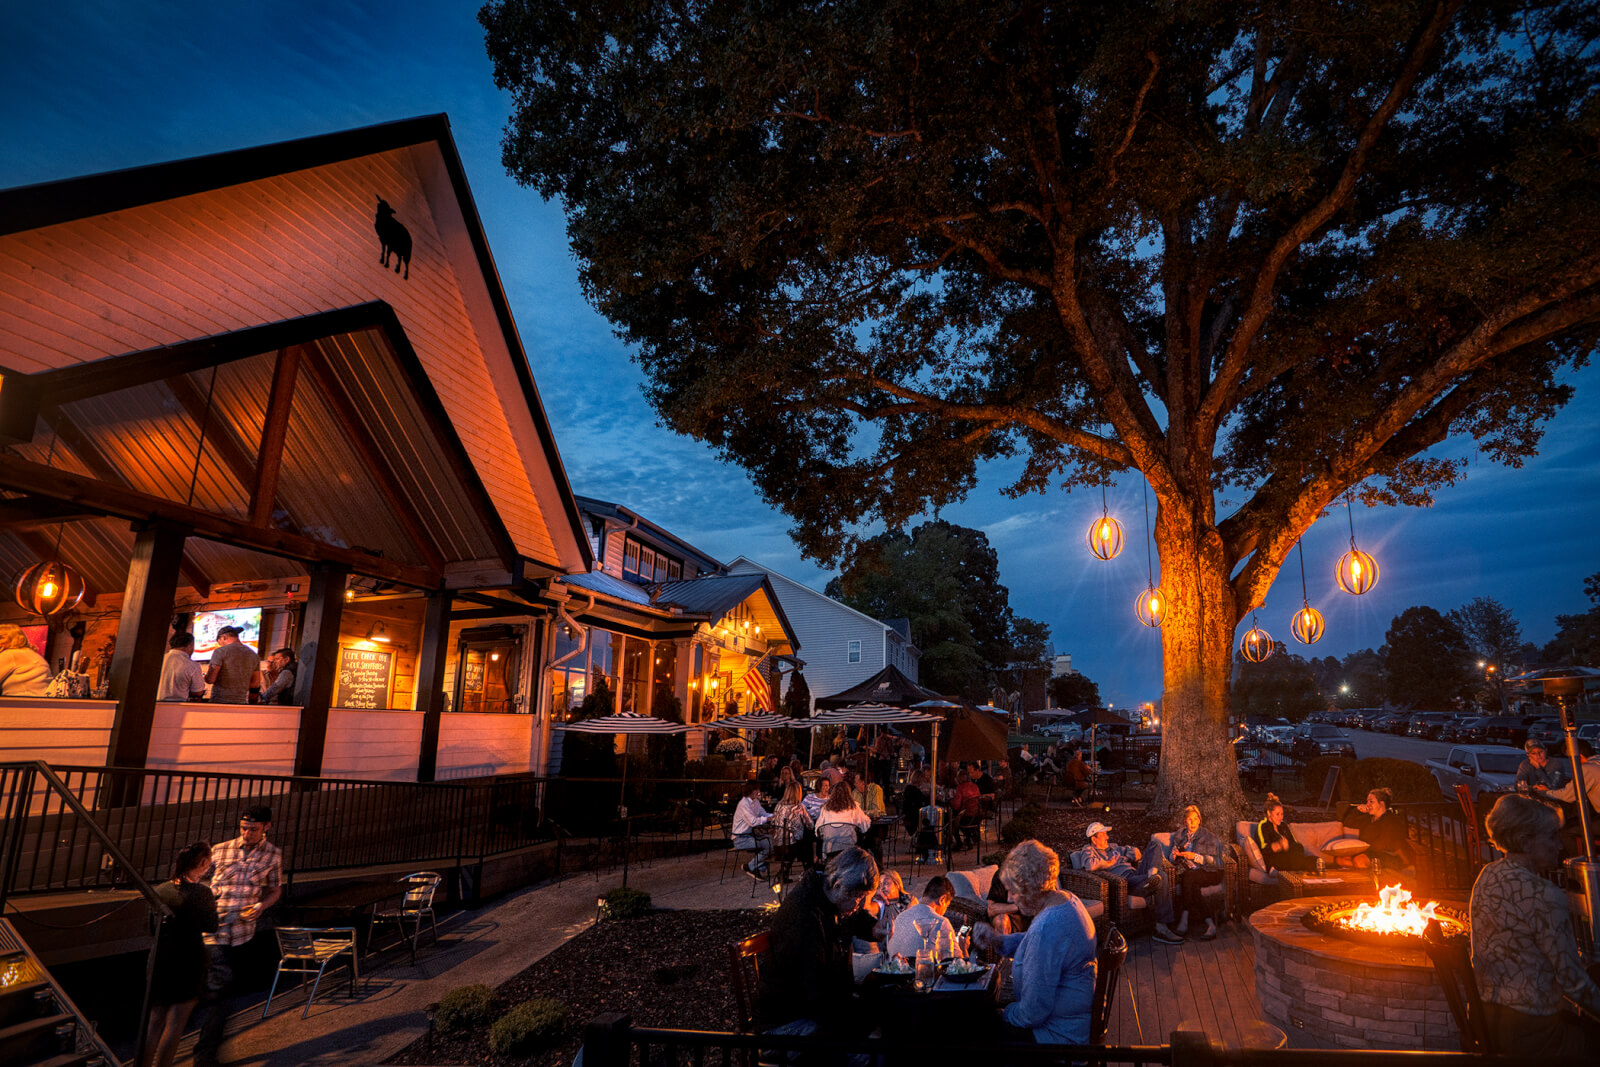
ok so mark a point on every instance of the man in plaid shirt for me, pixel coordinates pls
(247, 879)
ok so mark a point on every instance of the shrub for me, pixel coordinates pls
(531, 1025)
(1023, 825)
(624, 902)
(464, 1007)
(1408, 780)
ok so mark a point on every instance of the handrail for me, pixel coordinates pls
(117, 855)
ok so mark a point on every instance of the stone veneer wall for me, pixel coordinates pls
(1330, 993)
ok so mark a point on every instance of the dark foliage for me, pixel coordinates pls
(1427, 664)
(1074, 690)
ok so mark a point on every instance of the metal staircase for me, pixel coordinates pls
(39, 1024)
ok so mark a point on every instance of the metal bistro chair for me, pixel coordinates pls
(416, 905)
(1112, 952)
(305, 951)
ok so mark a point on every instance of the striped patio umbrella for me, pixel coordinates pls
(992, 708)
(869, 715)
(760, 720)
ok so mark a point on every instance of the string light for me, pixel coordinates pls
(1358, 571)
(1307, 625)
(1151, 606)
(1257, 646)
(1105, 533)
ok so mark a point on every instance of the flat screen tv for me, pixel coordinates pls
(207, 623)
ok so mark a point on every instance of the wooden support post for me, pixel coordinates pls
(431, 660)
(319, 664)
(142, 635)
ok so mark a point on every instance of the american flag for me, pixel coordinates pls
(756, 684)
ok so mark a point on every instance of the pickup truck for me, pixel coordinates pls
(1482, 768)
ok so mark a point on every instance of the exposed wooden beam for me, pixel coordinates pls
(26, 513)
(116, 500)
(221, 441)
(382, 475)
(432, 658)
(269, 460)
(316, 683)
(142, 633)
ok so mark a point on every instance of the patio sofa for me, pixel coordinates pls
(1258, 886)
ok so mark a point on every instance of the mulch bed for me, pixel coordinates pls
(667, 968)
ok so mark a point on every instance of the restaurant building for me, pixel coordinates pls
(282, 387)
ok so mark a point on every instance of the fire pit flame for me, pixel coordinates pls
(1395, 913)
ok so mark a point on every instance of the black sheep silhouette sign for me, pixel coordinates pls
(392, 237)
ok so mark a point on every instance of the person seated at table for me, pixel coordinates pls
(1524, 953)
(981, 779)
(813, 801)
(1048, 764)
(966, 804)
(1078, 777)
(1567, 792)
(1279, 850)
(807, 986)
(1120, 861)
(842, 822)
(790, 823)
(869, 798)
(833, 770)
(747, 818)
(924, 926)
(1004, 916)
(1537, 774)
(1197, 855)
(1382, 828)
(1053, 963)
(883, 906)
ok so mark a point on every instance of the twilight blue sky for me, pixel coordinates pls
(94, 85)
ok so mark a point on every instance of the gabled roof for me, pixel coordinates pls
(142, 228)
(624, 516)
(734, 568)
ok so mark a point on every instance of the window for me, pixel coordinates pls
(644, 565)
(854, 651)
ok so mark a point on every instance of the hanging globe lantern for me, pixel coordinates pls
(1151, 607)
(1358, 572)
(1307, 626)
(49, 588)
(1105, 538)
(1257, 645)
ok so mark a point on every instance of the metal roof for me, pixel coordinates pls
(601, 582)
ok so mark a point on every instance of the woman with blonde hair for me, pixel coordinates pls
(842, 822)
(1279, 850)
(1053, 963)
(23, 672)
(1524, 954)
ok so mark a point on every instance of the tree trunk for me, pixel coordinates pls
(1197, 759)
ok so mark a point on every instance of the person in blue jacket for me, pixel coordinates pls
(1053, 965)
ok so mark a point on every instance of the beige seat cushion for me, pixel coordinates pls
(973, 884)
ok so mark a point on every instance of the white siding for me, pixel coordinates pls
(475, 746)
(372, 744)
(234, 738)
(64, 732)
(824, 628)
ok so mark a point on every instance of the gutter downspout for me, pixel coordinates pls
(582, 630)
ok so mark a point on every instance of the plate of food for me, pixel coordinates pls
(965, 970)
(894, 967)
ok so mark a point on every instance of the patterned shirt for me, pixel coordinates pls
(238, 879)
(1524, 953)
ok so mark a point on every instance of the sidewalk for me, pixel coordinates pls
(489, 945)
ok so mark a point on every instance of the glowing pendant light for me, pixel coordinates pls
(1105, 535)
(1307, 625)
(1257, 646)
(51, 587)
(1151, 607)
(1358, 572)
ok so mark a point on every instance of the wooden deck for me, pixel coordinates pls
(1205, 985)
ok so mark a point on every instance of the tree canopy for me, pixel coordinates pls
(1072, 690)
(1266, 254)
(1283, 685)
(1427, 663)
(945, 579)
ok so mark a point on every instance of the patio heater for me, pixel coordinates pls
(1583, 873)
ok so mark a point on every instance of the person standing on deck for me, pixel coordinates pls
(235, 670)
(247, 878)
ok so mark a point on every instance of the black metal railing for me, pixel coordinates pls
(328, 824)
(1443, 844)
(610, 1041)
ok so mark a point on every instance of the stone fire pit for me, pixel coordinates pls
(1330, 992)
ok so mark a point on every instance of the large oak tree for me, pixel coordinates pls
(1263, 254)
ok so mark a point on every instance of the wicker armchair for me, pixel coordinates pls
(1133, 914)
(1230, 888)
(1096, 893)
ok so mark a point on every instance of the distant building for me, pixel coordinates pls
(1061, 665)
(842, 645)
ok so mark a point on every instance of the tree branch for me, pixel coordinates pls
(1222, 393)
(1133, 119)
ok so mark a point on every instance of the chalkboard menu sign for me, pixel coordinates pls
(363, 678)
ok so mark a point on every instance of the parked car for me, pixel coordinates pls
(1321, 740)
(1482, 768)
(1391, 723)
(1507, 730)
(1427, 724)
(1467, 730)
(1590, 732)
(1547, 730)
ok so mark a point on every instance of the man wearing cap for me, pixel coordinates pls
(1102, 857)
(1537, 774)
(235, 670)
(247, 878)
